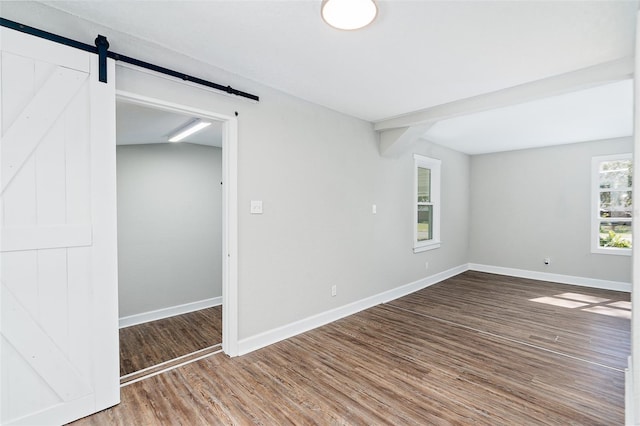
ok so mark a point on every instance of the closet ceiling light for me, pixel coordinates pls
(189, 129)
(349, 14)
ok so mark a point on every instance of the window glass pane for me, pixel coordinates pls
(425, 220)
(616, 204)
(424, 185)
(615, 234)
(616, 174)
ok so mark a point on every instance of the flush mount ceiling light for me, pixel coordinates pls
(349, 14)
(189, 129)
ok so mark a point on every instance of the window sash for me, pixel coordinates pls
(422, 233)
(426, 201)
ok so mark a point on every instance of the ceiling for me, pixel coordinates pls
(602, 112)
(136, 125)
(416, 55)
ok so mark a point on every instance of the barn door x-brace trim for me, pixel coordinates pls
(101, 48)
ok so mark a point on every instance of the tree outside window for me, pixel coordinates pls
(613, 196)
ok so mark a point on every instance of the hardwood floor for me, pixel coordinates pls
(472, 350)
(145, 345)
(507, 306)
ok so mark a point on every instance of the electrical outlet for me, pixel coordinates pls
(547, 260)
(426, 266)
(256, 206)
(334, 290)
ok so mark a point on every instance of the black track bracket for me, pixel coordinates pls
(103, 46)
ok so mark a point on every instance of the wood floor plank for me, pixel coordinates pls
(390, 365)
(151, 343)
(505, 306)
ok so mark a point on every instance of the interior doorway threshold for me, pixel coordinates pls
(163, 367)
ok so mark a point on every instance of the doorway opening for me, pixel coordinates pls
(176, 236)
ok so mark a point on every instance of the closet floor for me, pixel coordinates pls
(145, 345)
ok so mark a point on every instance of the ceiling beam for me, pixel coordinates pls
(394, 142)
(606, 72)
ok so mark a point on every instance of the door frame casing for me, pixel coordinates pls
(229, 207)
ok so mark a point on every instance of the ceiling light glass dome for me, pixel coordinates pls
(349, 14)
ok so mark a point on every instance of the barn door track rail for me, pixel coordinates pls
(101, 49)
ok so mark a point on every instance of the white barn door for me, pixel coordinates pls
(58, 260)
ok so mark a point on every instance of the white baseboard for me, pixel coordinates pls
(171, 311)
(557, 278)
(269, 337)
(266, 338)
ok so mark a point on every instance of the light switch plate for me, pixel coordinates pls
(256, 207)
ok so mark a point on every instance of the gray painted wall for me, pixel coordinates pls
(169, 225)
(529, 204)
(318, 172)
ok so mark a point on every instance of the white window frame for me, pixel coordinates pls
(595, 206)
(435, 166)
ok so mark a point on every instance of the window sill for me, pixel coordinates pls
(614, 251)
(425, 247)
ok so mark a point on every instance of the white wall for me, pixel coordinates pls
(531, 204)
(169, 225)
(318, 172)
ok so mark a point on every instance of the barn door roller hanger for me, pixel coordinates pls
(101, 49)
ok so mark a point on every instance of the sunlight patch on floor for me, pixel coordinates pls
(582, 297)
(587, 303)
(622, 304)
(559, 302)
(612, 312)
